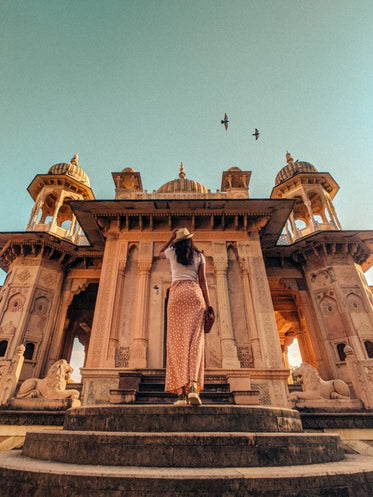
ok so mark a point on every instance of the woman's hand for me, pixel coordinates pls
(173, 235)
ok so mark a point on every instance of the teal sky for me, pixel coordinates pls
(145, 83)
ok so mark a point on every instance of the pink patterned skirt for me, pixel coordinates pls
(185, 336)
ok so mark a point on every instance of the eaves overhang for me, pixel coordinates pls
(91, 214)
(357, 243)
(21, 243)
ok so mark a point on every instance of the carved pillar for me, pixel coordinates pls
(56, 343)
(228, 343)
(139, 345)
(34, 213)
(106, 297)
(288, 233)
(265, 316)
(118, 310)
(250, 311)
(312, 349)
(307, 203)
(57, 207)
(292, 224)
(332, 214)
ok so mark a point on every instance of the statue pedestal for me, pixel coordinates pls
(43, 404)
(325, 405)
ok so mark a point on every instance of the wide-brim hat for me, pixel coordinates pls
(182, 234)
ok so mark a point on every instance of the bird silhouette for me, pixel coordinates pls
(225, 121)
(256, 134)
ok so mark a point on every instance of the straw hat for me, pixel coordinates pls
(182, 234)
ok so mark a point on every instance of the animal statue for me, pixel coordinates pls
(53, 386)
(315, 388)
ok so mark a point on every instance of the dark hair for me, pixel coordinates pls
(185, 251)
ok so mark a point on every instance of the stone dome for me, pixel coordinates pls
(128, 170)
(182, 185)
(72, 169)
(292, 168)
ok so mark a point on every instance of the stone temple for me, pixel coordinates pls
(278, 269)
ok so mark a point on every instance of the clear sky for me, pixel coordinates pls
(145, 83)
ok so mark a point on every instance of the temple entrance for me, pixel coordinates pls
(78, 330)
(291, 325)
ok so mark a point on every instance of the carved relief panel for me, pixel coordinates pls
(37, 320)
(356, 308)
(330, 314)
(12, 315)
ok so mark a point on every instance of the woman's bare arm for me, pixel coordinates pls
(203, 283)
(161, 252)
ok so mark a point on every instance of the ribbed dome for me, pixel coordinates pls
(182, 185)
(293, 168)
(72, 170)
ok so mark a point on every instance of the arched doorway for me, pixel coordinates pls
(78, 331)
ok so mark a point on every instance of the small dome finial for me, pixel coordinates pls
(182, 174)
(289, 158)
(74, 161)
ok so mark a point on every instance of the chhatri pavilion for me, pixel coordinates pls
(278, 269)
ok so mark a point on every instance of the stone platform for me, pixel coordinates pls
(178, 451)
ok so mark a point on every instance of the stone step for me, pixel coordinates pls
(24, 477)
(195, 450)
(170, 418)
(149, 388)
(208, 387)
(160, 397)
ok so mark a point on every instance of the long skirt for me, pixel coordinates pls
(185, 336)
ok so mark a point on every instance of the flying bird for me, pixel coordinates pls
(256, 134)
(225, 121)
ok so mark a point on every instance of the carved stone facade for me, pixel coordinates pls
(89, 270)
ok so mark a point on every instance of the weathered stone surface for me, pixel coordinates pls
(325, 420)
(24, 477)
(157, 418)
(194, 450)
(41, 404)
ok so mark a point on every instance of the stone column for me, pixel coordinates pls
(34, 213)
(139, 345)
(67, 296)
(293, 227)
(228, 343)
(57, 207)
(106, 296)
(307, 203)
(332, 214)
(266, 322)
(249, 309)
(118, 309)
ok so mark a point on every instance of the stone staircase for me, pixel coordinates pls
(148, 388)
(183, 451)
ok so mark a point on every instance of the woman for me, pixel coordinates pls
(187, 303)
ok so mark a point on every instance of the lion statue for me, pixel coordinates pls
(315, 388)
(53, 386)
